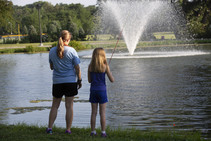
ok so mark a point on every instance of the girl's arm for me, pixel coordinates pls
(89, 77)
(109, 74)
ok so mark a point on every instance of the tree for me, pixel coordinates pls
(44, 29)
(74, 17)
(32, 30)
(198, 14)
(82, 34)
(25, 30)
(73, 28)
(54, 29)
(6, 11)
(33, 37)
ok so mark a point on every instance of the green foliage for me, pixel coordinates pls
(32, 30)
(5, 14)
(54, 44)
(198, 14)
(76, 45)
(73, 17)
(25, 30)
(31, 49)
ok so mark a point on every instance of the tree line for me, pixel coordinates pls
(74, 17)
(82, 21)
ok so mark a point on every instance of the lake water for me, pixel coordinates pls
(162, 88)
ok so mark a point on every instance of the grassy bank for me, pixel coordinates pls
(23, 132)
(121, 43)
(28, 49)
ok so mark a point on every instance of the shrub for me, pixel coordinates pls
(31, 49)
(54, 44)
(75, 44)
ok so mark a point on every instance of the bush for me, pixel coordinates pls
(31, 49)
(54, 44)
(75, 44)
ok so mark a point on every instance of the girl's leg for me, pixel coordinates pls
(53, 113)
(103, 116)
(93, 115)
(69, 112)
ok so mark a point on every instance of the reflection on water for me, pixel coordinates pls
(155, 93)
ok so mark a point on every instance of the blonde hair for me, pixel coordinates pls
(65, 35)
(98, 61)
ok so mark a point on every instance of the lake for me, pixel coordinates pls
(156, 88)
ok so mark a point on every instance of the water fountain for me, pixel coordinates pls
(135, 18)
(131, 17)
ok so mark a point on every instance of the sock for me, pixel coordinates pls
(103, 132)
(93, 132)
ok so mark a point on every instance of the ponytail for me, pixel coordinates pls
(60, 48)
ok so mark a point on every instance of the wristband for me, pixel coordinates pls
(79, 81)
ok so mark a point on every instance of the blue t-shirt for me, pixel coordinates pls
(63, 69)
(98, 81)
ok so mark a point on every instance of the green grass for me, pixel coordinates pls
(22, 132)
(24, 45)
(164, 35)
(28, 49)
(157, 35)
(100, 37)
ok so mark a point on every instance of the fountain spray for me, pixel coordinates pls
(131, 17)
(120, 35)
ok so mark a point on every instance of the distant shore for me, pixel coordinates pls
(35, 47)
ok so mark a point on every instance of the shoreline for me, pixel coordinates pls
(34, 48)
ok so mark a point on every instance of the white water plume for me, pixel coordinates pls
(132, 18)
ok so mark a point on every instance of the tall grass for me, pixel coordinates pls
(24, 132)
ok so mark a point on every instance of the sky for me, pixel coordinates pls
(83, 2)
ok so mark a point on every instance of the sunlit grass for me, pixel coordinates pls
(164, 35)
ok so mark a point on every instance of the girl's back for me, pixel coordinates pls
(98, 81)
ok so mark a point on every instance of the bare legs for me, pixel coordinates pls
(53, 112)
(69, 111)
(102, 111)
(102, 116)
(93, 115)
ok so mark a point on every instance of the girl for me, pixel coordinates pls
(96, 76)
(64, 62)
